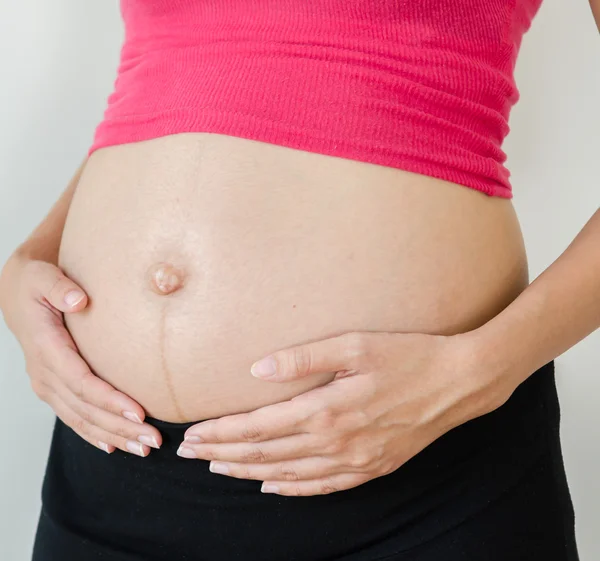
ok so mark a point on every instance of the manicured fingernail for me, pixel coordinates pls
(104, 446)
(148, 441)
(132, 417)
(218, 467)
(193, 439)
(186, 452)
(264, 368)
(135, 448)
(269, 488)
(73, 297)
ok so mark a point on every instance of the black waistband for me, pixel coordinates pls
(166, 507)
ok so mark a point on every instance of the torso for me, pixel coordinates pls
(274, 247)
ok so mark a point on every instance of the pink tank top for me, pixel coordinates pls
(420, 85)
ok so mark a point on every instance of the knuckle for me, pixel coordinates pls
(326, 419)
(121, 431)
(251, 432)
(369, 387)
(359, 419)
(255, 455)
(106, 400)
(209, 454)
(297, 490)
(78, 391)
(334, 447)
(82, 387)
(288, 473)
(381, 452)
(107, 405)
(328, 487)
(302, 360)
(360, 460)
(110, 400)
(348, 422)
(388, 467)
(357, 347)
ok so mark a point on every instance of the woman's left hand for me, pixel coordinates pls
(392, 395)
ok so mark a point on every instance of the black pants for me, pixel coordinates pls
(493, 489)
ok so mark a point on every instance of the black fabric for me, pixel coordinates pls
(492, 489)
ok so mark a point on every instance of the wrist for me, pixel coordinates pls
(37, 248)
(489, 372)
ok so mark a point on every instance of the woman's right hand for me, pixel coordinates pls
(34, 294)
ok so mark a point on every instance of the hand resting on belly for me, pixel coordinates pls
(273, 247)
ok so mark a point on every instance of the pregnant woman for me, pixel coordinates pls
(283, 311)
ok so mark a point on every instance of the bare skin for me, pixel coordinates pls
(200, 253)
(395, 393)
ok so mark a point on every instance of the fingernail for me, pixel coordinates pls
(186, 452)
(132, 417)
(135, 448)
(218, 467)
(264, 368)
(73, 297)
(193, 439)
(104, 446)
(148, 441)
(269, 488)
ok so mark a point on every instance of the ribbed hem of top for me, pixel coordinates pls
(251, 127)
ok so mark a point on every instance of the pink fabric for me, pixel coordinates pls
(421, 85)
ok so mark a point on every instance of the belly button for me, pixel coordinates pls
(165, 278)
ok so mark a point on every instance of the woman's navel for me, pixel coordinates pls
(165, 278)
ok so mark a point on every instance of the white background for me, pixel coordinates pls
(57, 65)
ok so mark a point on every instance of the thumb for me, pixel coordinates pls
(327, 355)
(59, 290)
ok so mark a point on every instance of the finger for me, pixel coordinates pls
(108, 422)
(322, 486)
(286, 448)
(68, 365)
(272, 421)
(69, 419)
(56, 288)
(92, 434)
(315, 467)
(327, 355)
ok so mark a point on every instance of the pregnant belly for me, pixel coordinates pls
(202, 253)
